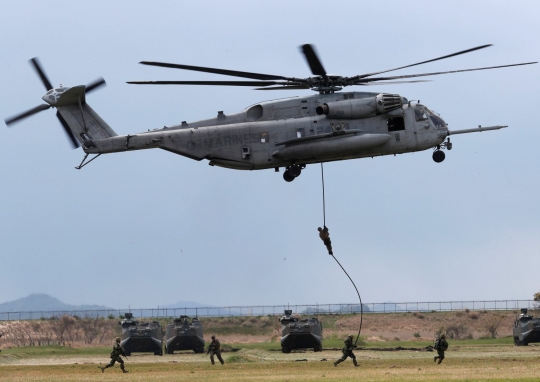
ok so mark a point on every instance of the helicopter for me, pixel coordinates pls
(290, 133)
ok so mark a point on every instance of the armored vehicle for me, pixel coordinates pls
(183, 334)
(526, 329)
(141, 337)
(300, 334)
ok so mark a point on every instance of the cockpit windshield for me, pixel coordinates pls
(437, 121)
(420, 115)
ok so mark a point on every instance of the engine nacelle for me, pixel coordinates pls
(361, 108)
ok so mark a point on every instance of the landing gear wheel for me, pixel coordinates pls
(295, 171)
(288, 176)
(285, 349)
(169, 351)
(317, 348)
(438, 156)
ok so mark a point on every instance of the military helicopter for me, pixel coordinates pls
(287, 133)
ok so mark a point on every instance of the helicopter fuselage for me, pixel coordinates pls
(287, 132)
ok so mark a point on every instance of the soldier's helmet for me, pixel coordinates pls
(350, 336)
(118, 339)
(213, 337)
(319, 229)
(443, 336)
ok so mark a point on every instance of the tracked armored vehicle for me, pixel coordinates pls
(183, 334)
(141, 337)
(300, 334)
(526, 329)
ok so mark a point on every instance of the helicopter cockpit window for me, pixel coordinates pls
(438, 122)
(59, 90)
(420, 115)
(264, 137)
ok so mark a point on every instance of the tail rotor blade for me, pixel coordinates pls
(74, 142)
(95, 84)
(41, 73)
(313, 60)
(26, 114)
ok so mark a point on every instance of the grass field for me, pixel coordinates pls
(486, 360)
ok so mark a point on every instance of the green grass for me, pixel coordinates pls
(54, 350)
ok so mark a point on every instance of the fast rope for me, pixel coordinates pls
(341, 266)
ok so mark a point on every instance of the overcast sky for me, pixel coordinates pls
(150, 228)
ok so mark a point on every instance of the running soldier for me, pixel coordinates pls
(215, 349)
(441, 346)
(115, 357)
(348, 351)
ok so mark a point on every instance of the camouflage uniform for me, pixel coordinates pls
(115, 357)
(215, 349)
(325, 237)
(347, 351)
(443, 346)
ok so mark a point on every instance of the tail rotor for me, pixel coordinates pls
(53, 99)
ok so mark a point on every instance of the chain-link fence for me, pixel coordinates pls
(275, 310)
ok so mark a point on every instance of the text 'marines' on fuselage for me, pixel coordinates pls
(287, 133)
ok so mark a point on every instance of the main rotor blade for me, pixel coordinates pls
(390, 82)
(95, 84)
(234, 73)
(26, 114)
(285, 87)
(73, 141)
(41, 73)
(225, 83)
(313, 60)
(424, 62)
(373, 79)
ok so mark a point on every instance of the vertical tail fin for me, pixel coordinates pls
(85, 123)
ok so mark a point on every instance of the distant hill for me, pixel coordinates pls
(38, 302)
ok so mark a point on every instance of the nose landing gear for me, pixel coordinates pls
(438, 154)
(293, 172)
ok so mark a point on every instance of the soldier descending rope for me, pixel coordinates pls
(115, 357)
(325, 237)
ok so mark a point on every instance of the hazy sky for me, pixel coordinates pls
(150, 228)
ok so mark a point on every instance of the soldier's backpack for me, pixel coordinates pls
(437, 345)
